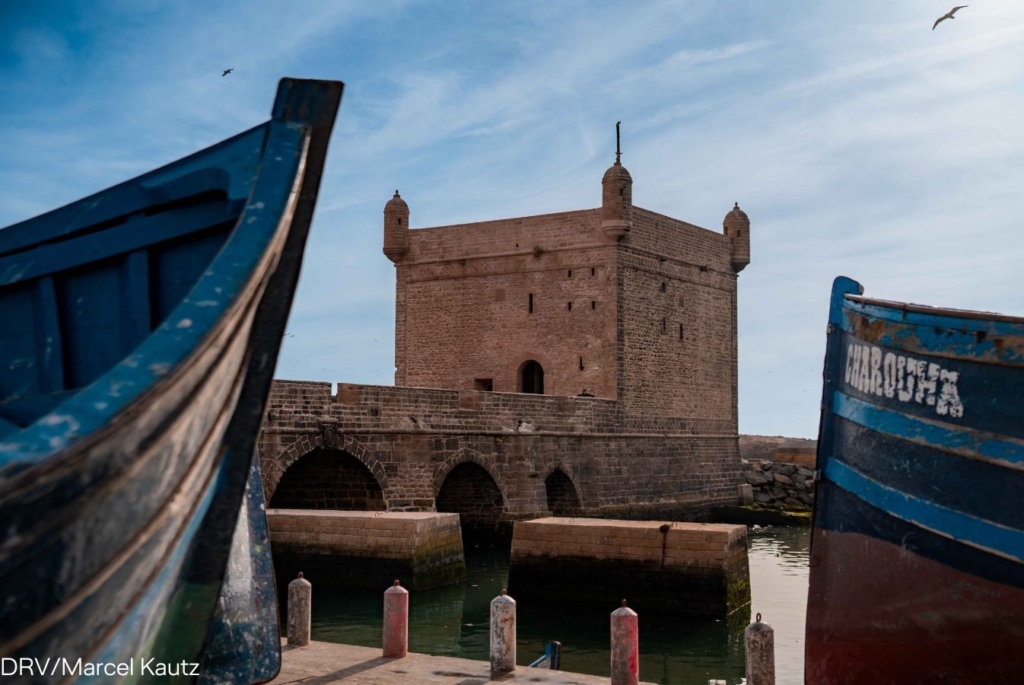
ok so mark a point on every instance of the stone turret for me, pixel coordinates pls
(396, 228)
(737, 226)
(616, 201)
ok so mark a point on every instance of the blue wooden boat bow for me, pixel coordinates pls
(917, 551)
(145, 323)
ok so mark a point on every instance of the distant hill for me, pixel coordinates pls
(763, 446)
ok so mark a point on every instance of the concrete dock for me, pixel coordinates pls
(324, 662)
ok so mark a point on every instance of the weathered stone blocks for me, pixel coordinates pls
(789, 485)
(685, 568)
(360, 549)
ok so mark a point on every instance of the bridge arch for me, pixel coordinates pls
(328, 478)
(563, 495)
(325, 441)
(468, 484)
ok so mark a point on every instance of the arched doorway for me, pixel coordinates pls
(470, 491)
(531, 378)
(562, 497)
(328, 479)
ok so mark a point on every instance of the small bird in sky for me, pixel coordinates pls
(948, 15)
(228, 71)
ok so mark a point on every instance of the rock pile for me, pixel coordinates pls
(786, 485)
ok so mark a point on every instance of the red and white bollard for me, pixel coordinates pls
(396, 622)
(625, 647)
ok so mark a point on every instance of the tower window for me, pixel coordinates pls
(483, 384)
(738, 233)
(593, 271)
(664, 325)
(663, 286)
(570, 306)
(531, 378)
(680, 331)
(593, 304)
(399, 221)
(531, 303)
(581, 363)
(570, 273)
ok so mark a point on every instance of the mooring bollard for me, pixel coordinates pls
(300, 608)
(625, 647)
(760, 643)
(396, 622)
(503, 633)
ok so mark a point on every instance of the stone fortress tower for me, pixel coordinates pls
(618, 302)
(578, 363)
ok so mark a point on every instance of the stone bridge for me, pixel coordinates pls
(492, 457)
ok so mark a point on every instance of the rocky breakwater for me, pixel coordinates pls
(786, 485)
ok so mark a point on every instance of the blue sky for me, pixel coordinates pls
(859, 141)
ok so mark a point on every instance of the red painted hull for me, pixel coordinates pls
(884, 614)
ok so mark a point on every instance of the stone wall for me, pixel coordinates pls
(687, 568)
(677, 294)
(367, 549)
(776, 483)
(409, 440)
(476, 301)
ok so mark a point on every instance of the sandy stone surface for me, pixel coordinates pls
(323, 662)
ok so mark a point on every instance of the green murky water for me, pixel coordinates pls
(453, 620)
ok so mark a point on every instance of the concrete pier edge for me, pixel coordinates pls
(325, 663)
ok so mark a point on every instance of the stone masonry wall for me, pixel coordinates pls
(463, 309)
(367, 550)
(693, 568)
(410, 440)
(776, 483)
(678, 301)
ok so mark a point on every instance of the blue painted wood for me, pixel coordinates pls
(551, 658)
(49, 354)
(141, 466)
(141, 231)
(244, 637)
(228, 167)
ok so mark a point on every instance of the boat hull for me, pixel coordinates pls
(917, 552)
(142, 504)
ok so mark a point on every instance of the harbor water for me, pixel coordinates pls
(453, 621)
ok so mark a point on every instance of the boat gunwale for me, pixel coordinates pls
(947, 312)
(32, 232)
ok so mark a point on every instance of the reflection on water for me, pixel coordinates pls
(454, 620)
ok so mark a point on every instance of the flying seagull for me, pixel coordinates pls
(948, 15)
(228, 71)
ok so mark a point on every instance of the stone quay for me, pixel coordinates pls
(659, 566)
(367, 549)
